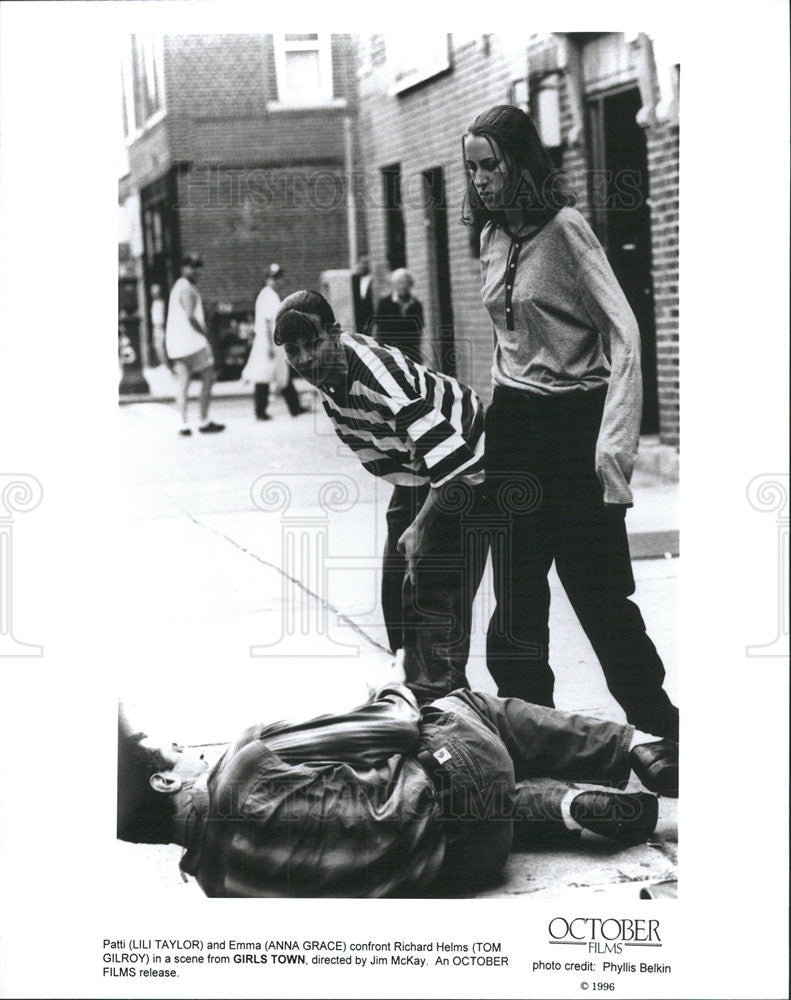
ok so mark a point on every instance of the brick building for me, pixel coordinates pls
(240, 146)
(607, 107)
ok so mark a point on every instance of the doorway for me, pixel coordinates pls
(436, 222)
(161, 245)
(622, 219)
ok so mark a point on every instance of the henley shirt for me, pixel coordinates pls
(569, 329)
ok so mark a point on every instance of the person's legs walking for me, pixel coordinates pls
(261, 400)
(182, 373)
(291, 396)
(207, 382)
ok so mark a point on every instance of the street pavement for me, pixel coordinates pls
(250, 582)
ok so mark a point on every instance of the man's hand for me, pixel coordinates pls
(414, 541)
(410, 545)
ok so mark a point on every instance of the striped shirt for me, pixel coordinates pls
(336, 806)
(406, 423)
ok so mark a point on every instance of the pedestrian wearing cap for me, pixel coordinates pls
(187, 345)
(266, 367)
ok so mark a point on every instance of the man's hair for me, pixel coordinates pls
(144, 816)
(401, 272)
(516, 135)
(292, 322)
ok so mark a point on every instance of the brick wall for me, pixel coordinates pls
(423, 129)
(242, 219)
(663, 158)
(256, 185)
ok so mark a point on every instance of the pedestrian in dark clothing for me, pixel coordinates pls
(398, 321)
(362, 291)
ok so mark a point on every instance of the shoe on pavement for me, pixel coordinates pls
(185, 432)
(211, 428)
(656, 765)
(624, 816)
(302, 409)
(262, 416)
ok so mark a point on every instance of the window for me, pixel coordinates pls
(377, 50)
(304, 69)
(142, 83)
(519, 94)
(545, 110)
(147, 69)
(417, 57)
(394, 218)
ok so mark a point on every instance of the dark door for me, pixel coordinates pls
(161, 250)
(436, 220)
(622, 219)
(395, 234)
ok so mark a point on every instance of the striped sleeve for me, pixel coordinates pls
(438, 419)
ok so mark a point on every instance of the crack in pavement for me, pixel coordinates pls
(265, 562)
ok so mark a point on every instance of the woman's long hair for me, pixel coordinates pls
(534, 183)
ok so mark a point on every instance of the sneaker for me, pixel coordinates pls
(185, 432)
(624, 816)
(656, 765)
(211, 428)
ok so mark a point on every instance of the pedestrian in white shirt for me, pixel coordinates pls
(267, 367)
(187, 345)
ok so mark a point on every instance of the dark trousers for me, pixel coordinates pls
(500, 762)
(289, 394)
(547, 500)
(261, 399)
(431, 619)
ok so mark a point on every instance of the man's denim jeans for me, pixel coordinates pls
(501, 761)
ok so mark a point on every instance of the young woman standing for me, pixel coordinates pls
(563, 428)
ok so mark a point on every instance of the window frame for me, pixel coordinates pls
(433, 64)
(323, 96)
(153, 59)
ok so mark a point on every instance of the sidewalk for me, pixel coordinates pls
(652, 522)
(252, 562)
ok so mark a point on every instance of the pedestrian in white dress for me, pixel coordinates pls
(267, 367)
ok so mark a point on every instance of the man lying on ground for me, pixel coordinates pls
(389, 799)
